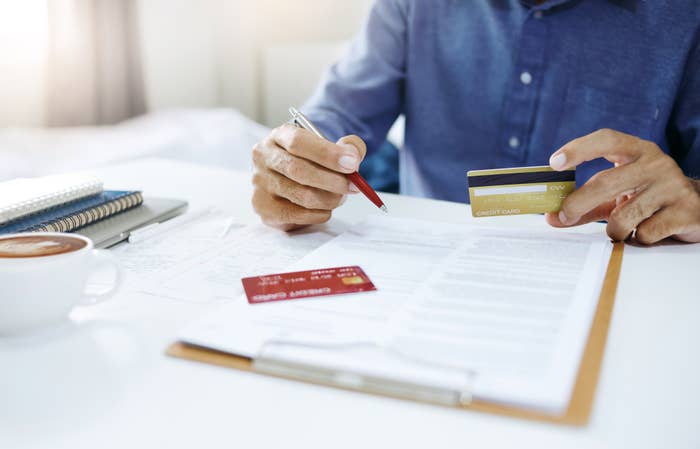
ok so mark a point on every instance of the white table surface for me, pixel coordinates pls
(105, 382)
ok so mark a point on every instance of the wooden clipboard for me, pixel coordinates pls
(581, 404)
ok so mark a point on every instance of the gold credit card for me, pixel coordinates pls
(520, 190)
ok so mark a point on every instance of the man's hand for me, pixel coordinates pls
(299, 178)
(646, 191)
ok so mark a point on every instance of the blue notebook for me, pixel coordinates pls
(76, 214)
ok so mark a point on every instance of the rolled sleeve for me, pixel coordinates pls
(363, 93)
(684, 125)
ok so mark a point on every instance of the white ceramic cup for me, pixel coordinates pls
(40, 290)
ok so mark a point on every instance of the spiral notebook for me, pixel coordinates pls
(25, 196)
(76, 214)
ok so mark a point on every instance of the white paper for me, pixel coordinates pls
(197, 262)
(503, 313)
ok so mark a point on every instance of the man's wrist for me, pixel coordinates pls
(696, 184)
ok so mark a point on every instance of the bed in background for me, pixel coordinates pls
(221, 137)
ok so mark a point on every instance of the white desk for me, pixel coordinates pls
(105, 383)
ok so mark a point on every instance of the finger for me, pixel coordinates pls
(690, 235)
(614, 146)
(305, 144)
(603, 187)
(283, 214)
(690, 216)
(356, 142)
(599, 213)
(664, 223)
(269, 155)
(304, 196)
(361, 147)
(626, 217)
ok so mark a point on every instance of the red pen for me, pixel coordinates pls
(300, 120)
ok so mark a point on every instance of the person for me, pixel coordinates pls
(613, 86)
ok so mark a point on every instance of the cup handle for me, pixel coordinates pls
(101, 258)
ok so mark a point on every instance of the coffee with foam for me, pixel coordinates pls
(44, 275)
(24, 246)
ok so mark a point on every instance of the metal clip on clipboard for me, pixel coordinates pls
(267, 363)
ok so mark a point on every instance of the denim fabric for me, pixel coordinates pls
(502, 83)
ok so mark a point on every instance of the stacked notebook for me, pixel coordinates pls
(61, 203)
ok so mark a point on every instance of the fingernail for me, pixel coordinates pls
(353, 188)
(343, 200)
(558, 161)
(348, 161)
(562, 217)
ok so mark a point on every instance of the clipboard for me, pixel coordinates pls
(580, 405)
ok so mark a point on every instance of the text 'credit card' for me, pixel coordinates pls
(306, 284)
(520, 190)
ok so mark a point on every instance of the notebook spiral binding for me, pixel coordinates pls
(91, 215)
(14, 211)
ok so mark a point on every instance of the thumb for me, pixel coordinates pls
(355, 142)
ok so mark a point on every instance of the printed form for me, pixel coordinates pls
(501, 314)
(204, 260)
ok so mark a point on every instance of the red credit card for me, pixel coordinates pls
(306, 284)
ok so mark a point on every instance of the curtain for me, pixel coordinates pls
(94, 64)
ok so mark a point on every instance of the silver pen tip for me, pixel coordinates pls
(384, 209)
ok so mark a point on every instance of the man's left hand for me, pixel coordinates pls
(645, 194)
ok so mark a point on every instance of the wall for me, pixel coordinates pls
(203, 53)
(23, 57)
(213, 52)
(178, 51)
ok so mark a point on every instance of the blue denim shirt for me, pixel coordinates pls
(499, 83)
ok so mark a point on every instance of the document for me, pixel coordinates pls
(501, 314)
(204, 260)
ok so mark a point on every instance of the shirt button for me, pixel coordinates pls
(513, 142)
(538, 14)
(525, 78)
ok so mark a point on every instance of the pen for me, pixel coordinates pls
(302, 121)
(160, 228)
(227, 228)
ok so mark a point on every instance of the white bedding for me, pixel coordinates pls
(221, 137)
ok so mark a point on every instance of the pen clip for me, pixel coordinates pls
(295, 120)
(300, 120)
(147, 227)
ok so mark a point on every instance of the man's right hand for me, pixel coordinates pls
(300, 178)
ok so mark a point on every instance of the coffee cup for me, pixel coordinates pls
(43, 276)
